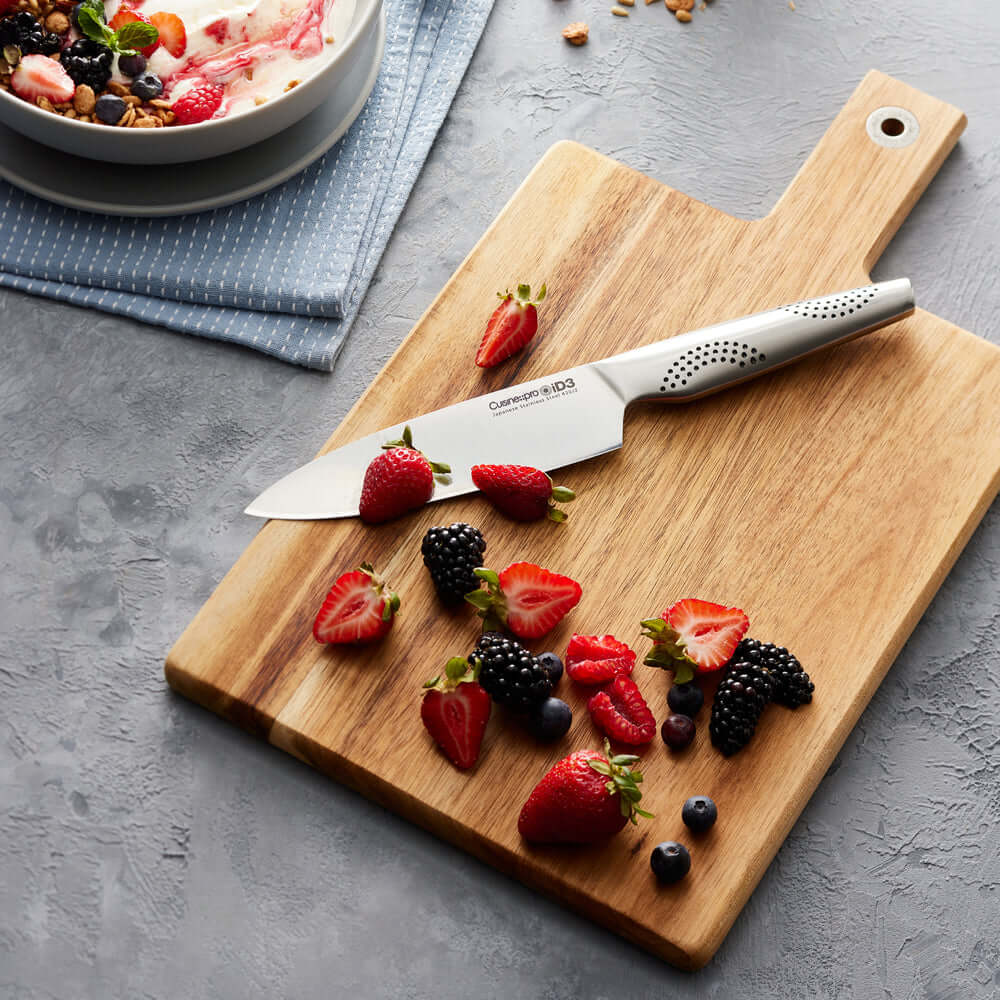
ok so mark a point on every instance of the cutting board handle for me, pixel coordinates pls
(866, 174)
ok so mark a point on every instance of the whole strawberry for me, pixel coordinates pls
(513, 323)
(526, 598)
(521, 492)
(398, 480)
(357, 609)
(585, 798)
(694, 635)
(455, 710)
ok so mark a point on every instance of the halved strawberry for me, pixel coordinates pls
(357, 609)
(455, 711)
(173, 35)
(529, 600)
(694, 635)
(39, 76)
(620, 711)
(597, 659)
(521, 492)
(125, 15)
(513, 323)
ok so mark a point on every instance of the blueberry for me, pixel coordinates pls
(110, 109)
(686, 699)
(132, 65)
(550, 721)
(670, 861)
(677, 731)
(74, 17)
(553, 666)
(699, 813)
(147, 86)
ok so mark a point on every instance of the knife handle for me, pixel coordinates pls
(695, 364)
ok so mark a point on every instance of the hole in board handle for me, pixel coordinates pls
(892, 127)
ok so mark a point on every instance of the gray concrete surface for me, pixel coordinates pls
(151, 850)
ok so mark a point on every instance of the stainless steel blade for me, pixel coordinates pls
(546, 423)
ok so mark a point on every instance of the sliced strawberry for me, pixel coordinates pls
(529, 600)
(357, 609)
(38, 76)
(620, 711)
(521, 492)
(694, 635)
(173, 35)
(455, 711)
(125, 15)
(398, 480)
(198, 104)
(513, 323)
(597, 659)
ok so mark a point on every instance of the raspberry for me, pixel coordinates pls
(197, 105)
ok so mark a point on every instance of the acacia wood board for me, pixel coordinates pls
(829, 500)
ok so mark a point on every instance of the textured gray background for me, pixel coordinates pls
(151, 850)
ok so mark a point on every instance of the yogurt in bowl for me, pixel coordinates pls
(255, 50)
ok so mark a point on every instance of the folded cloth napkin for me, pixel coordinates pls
(286, 271)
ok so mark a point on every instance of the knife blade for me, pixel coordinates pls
(576, 414)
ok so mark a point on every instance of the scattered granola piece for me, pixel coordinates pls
(84, 100)
(576, 33)
(683, 16)
(676, 5)
(291, 84)
(57, 22)
(627, 3)
(619, 11)
(791, 4)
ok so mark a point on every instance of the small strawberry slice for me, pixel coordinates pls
(529, 600)
(455, 711)
(521, 492)
(584, 798)
(198, 104)
(597, 659)
(399, 480)
(126, 14)
(694, 635)
(39, 76)
(357, 609)
(620, 711)
(173, 34)
(513, 323)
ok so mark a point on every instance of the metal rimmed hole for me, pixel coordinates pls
(892, 127)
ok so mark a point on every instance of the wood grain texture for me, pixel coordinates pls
(829, 500)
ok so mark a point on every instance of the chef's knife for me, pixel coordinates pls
(578, 413)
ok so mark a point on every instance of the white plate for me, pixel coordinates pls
(115, 189)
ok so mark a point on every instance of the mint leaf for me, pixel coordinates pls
(94, 28)
(97, 6)
(136, 35)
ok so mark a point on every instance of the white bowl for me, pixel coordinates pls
(183, 143)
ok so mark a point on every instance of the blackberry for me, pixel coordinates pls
(510, 674)
(451, 554)
(741, 697)
(88, 62)
(790, 684)
(29, 35)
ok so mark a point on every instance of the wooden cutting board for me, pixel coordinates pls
(829, 500)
